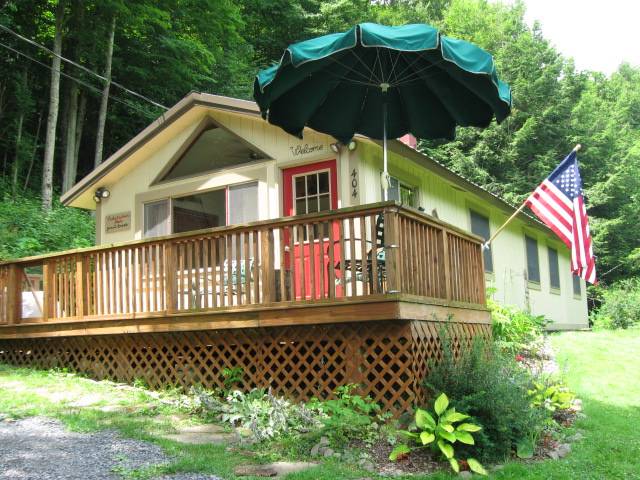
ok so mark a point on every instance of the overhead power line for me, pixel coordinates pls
(81, 67)
(77, 80)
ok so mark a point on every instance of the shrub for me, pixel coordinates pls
(515, 330)
(620, 305)
(551, 394)
(489, 385)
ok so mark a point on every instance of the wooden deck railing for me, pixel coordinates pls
(350, 253)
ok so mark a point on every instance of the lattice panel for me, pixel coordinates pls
(389, 359)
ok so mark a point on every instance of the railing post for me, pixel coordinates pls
(48, 269)
(14, 294)
(170, 269)
(392, 250)
(81, 293)
(267, 259)
(446, 264)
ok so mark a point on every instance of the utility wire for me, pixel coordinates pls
(81, 67)
(81, 82)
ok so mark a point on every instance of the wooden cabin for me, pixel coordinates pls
(223, 241)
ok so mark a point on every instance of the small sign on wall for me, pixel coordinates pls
(117, 222)
(302, 150)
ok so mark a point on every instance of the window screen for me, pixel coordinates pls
(533, 264)
(480, 226)
(554, 271)
(203, 210)
(577, 285)
(156, 218)
(243, 203)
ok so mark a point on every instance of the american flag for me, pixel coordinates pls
(558, 202)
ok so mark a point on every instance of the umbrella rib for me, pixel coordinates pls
(351, 69)
(363, 63)
(416, 74)
(411, 64)
(393, 66)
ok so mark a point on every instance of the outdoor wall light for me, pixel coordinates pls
(335, 147)
(352, 145)
(101, 193)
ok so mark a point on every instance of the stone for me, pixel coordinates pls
(315, 450)
(465, 474)
(255, 471)
(328, 452)
(324, 441)
(367, 465)
(276, 469)
(563, 450)
(576, 437)
(202, 434)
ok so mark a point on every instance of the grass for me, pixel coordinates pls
(603, 368)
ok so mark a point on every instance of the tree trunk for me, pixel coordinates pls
(16, 159)
(70, 165)
(33, 152)
(102, 115)
(52, 118)
(82, 113)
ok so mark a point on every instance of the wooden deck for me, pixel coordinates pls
(303, 304)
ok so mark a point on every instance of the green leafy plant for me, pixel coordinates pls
(348, 416)
(515, 330)
(551, 395)
(231, 377)
(441, 431)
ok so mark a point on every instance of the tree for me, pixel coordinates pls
(104, 100)
(52, 119)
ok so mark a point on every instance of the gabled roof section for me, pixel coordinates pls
(174, 114)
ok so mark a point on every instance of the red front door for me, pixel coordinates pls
(309, 189)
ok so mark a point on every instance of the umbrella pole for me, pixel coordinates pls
(385, 171)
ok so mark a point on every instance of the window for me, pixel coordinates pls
(480, 226)
(216, 208)
(156, 218)
(554, 270)
(577, 285)
(312, 193)
(533, 264)
(401, 192)
(202, 210)
(215, 149)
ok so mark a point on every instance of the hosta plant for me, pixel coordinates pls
(551, 396)
(440, 432)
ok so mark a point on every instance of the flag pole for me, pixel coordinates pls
(485, 245)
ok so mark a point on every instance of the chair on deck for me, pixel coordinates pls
(377, 250)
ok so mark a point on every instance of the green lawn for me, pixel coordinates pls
(603, 368)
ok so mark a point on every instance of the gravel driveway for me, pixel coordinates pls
(41, 448)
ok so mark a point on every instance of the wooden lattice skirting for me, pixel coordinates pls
(388, 358)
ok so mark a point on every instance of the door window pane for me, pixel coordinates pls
(577, 285)
(324, 182)
(554, 271)
(533, 264)
(203, 210)
(312, 194)
(480, 226)
(243, 203)
(156, 218)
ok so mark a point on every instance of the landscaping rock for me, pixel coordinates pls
(276, 469)
(328, 452)
(465, 474)
(367, 465)
(563, 450)
(202, 434)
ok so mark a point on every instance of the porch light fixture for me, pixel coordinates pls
(101, 193)
(335, 147)
(352, 145)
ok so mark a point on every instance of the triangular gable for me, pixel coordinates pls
(210, 148)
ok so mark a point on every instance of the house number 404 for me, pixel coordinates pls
(354, 183)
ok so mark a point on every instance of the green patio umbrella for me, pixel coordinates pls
(382, 82)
